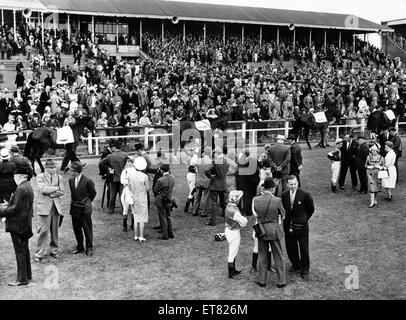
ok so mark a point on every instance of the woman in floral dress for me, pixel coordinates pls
(373, 164)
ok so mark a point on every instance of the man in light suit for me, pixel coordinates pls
(83, 193)
(270, 212)
(163, 196)
(203, 167)
(279, 157)
(49, 210)
(218, 185)
(299, 208)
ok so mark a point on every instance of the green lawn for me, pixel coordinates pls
(344, 232)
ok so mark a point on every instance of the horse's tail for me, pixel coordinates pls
(28, 146)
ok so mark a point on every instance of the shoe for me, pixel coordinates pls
(36, 259)
(195, 214)
(89, 253)
(294, 270)
(262, 285)
(171, 237)
(142, 239)
(157, 228)
(210, 224)
(54, 255)
(17, 284)
(159, 231)
(163, 238)
(304, 276)
(280, 286)
(204, 216)
(76, 251)
(372, 205)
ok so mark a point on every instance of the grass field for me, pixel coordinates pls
(343, 232)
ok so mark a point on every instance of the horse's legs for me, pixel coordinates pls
(306, 132)
(40, 152)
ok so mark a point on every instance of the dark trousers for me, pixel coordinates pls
(115, 188)
(164, 215)
(363, 178)
(22, 253)
(264, 261)
(213, 194)
(297, 247)
(70, 155)
(82, 223)
(202, 194)
(345, 164)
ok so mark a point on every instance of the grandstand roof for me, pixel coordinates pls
(22, 4)
(213, 12)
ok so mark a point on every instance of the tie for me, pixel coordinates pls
(292, 199)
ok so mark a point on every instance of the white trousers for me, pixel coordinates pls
(233, 238)
(335, 168)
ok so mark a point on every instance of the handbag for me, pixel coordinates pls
(259, 228)
(383, 174)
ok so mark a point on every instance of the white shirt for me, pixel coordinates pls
(77, 180)
(292, 197)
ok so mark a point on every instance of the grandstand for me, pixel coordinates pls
(395, 42)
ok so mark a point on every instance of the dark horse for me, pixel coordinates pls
(307, 122)
(378, 121)
(179, 139)
(39, 141)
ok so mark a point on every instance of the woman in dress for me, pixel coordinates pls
(373, 164)
(389, 183)
(138, 184)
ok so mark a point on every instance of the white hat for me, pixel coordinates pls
(280, 137)
(235, 196)
(140, 163)
(5, 154)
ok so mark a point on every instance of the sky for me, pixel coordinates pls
(376, 11)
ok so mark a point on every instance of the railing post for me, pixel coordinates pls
(97, 146)
(286, 128)
(397, 125)
(244, 131)
(338, 132)
(362, 124)
(90, 143)
(153, 143)
(146, 136)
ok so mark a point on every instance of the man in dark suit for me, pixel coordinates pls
(279, 157)
(83, 193)
(299, 208)
(360, 160)
(218, 185)
(163, 197)
(105, 172)
(397, 147)
(296, 160)
(348, 151)
(19, 213)
(382, 138)
(114, 163)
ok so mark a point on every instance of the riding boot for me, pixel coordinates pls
(187, 206)
(333, 188)
(254, 261)
(125, 225)
(231, 270)
(132, 224)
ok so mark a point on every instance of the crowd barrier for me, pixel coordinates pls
(251, 132)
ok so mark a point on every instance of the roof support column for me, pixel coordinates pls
(2, 17)
(260, 36)
(141, 34)
(14, 26)
(78, 24)
(339, 40)
(184, 31)
(325, 41)
(277, 36)
(68, 27)
(54, 23)
(162, 31)
(242, 34)
(353, 43)
(117, 42)
(294, 38)
(93, 29)
(224, 34)
(204, 34)
(310, 37)
(42, 29)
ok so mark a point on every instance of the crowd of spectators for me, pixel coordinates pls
(196, 80)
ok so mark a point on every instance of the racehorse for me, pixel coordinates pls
(218, 124)
(307, 122)
(41, 139)
(378, 121)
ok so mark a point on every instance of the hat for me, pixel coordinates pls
(339, 140)
(235, 196)
(269, 183)
(291, 137)
(49, 164)
(117, 144)
(76, 166)
(389, 144)
(140, 163)
(138, 146)
(361, 137)
(15, 149)
(374, 147)
(280, 137)
(5, 154)
(165, 167)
